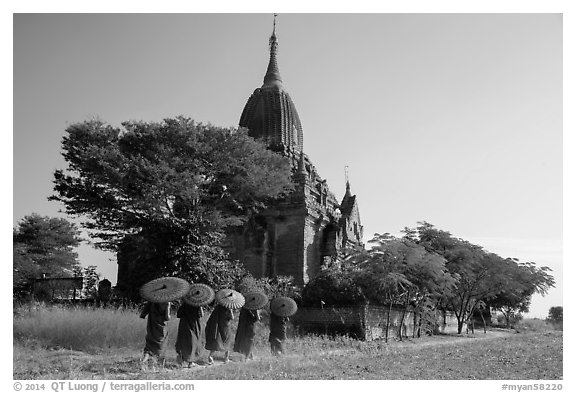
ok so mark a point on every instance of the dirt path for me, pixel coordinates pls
(455, 339)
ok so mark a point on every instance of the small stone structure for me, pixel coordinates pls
(367, 322)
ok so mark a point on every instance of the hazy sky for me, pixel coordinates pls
(455, 119)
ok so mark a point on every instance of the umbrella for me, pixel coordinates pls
(165, 289)
(283, 306)
(229, 298)
(199, 295)
(255, 300)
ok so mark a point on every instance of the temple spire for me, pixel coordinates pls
(272, 76)
(348, 193)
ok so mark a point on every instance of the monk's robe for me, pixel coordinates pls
(218, 329)
(189, 332)
(246, 332)
(156, 332)
(278, 326)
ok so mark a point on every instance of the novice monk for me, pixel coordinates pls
(277, 336)
(189, 333)
(218, 332)
(246, 332)
(156, 334)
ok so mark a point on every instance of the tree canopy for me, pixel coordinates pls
(484, 278)
(43, 245)
(556, 314)
(163, 194)
(393, 270)
(426, 270)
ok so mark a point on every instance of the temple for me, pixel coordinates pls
(295, 236)
(304, 232)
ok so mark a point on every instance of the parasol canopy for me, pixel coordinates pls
(199, 295)
(165, 289)
(255, 300)
(283, 306)
(230, 298)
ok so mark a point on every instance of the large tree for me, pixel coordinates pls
(400, 272)
(556, 314)
(523, 281)
(483, 277)
(163, 194)
(394, 272)
(43, 245)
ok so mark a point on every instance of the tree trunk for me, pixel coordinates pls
(460, 324)
(483, 321)
(506, 317)
(414, 325)
(388, 320)
(401, 324)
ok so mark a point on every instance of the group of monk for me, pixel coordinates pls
(218, 333)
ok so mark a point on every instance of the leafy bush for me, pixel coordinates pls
(533, 325)
(556, 317)
(333, 289)
(272, 287)
(514, 319)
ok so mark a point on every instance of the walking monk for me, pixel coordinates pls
(246, 332)
(218, 332)
(156, 332)
(189, 333)
(278, 326)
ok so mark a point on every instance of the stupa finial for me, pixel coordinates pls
(272, 76)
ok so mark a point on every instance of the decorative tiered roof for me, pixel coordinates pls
(270, 112)
(348, 201)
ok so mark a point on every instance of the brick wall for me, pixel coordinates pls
(364, 322)
(289, 246)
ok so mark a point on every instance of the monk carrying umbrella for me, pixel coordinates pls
(159, 293)
(218, 327)
(281, 308)
(244, 342)
(190, 329)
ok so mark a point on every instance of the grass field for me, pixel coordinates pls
(58, 343)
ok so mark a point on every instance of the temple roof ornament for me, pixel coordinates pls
(270, 113)
(272, 76)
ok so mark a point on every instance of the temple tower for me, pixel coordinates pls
(300, 234)
(270, 113)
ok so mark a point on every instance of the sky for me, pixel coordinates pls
(454, 119)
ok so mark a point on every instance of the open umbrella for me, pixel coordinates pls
(255, 300)
(199, 295)
(165, 289)
(229, 298)
(283, 306)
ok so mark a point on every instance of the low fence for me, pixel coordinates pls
(369, 322)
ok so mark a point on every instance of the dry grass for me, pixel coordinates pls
(58, 343)
(79, 328)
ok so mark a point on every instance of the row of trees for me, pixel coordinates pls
(429, 269)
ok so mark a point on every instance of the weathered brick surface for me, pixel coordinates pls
(367, 322)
